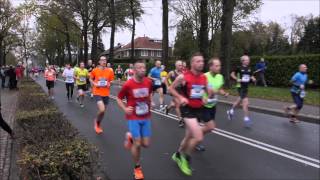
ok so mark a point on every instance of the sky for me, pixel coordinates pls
(150, 23)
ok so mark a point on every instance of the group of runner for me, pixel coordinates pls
(194, 98)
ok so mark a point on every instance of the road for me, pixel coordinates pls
(272, 149)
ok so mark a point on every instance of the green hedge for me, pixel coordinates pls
(281, 68)
(49, 146)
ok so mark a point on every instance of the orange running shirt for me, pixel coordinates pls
(103, 78)
(50, 75)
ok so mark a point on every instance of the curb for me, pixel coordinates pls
(302, 117)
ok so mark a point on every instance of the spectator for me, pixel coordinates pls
(12, 78)
(260, 70)
(3, 76)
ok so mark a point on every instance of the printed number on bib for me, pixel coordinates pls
(69, 78)
(102, 83)
(142, 108)
(157, 82)
(197, 92)
(245, 78)
(83, 79)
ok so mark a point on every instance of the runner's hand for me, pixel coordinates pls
(239, 80)
(183, 101)
(128, 110)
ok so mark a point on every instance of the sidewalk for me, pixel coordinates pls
(9, 102)
(308, 113)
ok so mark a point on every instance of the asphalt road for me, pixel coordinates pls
(272, 148)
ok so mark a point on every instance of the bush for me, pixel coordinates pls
(280, 69)
(50, 147)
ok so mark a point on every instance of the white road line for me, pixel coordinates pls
(258, 144)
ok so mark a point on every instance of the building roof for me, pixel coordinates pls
(145, 43)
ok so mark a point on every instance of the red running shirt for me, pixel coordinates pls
(138, 95)
(194, 88)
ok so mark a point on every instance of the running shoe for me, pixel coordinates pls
(167, 110)
(97, 128)
(247, 122)
(230, 115)
(200, 147)
(137, 172)
(128, 141)
(181, 123)
(81, 105)
(182, 163)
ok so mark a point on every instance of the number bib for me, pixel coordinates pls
(157, 82)
(245, 78)
(142, 108)
(102, 82)
(197, 92)
(69, 78)
(82, 79)
(212, 101)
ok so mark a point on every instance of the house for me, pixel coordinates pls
(145, 48)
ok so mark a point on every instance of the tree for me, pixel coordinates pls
(310, 42)
(226, 37)
(297, 28)
(113, 29)
(9, 20)
(203, 37)
(185, 42)
(165, 34)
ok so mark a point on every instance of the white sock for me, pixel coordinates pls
(246, 118)
(231, 111)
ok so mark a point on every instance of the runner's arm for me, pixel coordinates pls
(233, 76)
(178, 81)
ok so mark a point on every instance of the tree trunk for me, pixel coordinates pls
(113, 29)
(226, 38)
(95, 33)
(165, 36)
(1, 52)
(203, 38)
(68, 45)
(133, 29)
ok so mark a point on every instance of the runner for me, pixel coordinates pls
(101, 78)
(137, 92)
(163, 76)
(154, 75)
(298, 80)
(215, 82)
(129, 72)
(243, 76)
(172, 75)
(89, 67)
(194, 84)
(109, 66)
(50, 76)
(184, 66)
(81, 75)
(119, 73)
(68, 75)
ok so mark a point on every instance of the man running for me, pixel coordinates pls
(50, 76)
(81, 75)
(119, 73)
(172, 75)
(215, 83)
(68, 75)
(129, 72)
(89, 67)
(155, 76)
(137, 92)
(243, 76)
(298, 80)
(194, 84)
(101, 78)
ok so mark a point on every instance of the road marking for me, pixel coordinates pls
(251, 142)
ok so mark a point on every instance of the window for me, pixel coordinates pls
(144, 53)
(159, 53)
(126, 54)
(152, 53)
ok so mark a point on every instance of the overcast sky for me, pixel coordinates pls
(151, 22)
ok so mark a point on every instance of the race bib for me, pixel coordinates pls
(142, 108)
(102, 83)
(69, 78)
(157, 82)
(82, 79)
(140, 92)
(197, 91)
(245, 78)
(212, 101)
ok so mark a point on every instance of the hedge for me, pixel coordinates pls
(281, 68)
(49, 146)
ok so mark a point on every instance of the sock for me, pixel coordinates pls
(188, 157)
(137, 165)
(178, 154)
(246, 118)
(231, 111)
